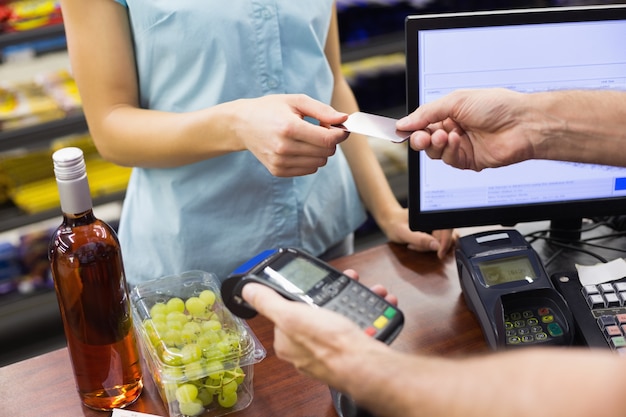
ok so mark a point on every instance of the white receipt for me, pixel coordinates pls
(601, 272)
(118, 412)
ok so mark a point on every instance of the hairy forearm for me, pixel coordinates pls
(584, 126)
(538, 382)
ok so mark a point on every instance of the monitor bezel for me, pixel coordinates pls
(497, 215)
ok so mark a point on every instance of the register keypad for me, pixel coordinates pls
(532, 325)
(607, 303)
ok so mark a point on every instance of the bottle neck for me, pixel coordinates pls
(75, 196)
(79, 219)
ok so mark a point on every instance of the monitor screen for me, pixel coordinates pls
(527, 51)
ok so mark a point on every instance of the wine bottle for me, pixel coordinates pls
(90, 284)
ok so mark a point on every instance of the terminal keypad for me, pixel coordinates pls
(372, 313)
(531, 326)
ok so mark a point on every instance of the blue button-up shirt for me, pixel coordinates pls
(215, 214)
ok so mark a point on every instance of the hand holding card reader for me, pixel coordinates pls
(506, 286)
(298, 276)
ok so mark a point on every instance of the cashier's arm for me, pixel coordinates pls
(368, 174)
(271, 127)
(538, 382)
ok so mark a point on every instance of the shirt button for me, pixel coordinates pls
(266, 13)
(272, 83)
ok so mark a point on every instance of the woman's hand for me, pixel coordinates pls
(396, 227)
(274, 130)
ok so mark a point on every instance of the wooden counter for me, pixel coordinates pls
(437, 322)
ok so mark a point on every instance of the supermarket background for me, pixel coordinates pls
(40, 111)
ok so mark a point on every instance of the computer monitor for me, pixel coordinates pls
(528, 51)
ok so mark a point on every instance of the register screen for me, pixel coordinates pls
(524, 58)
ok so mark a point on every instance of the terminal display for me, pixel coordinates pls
(507, 270)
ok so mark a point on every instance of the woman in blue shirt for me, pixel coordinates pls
(223, 109)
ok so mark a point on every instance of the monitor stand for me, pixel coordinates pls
(568, 229)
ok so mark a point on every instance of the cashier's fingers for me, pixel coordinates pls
(382, 291)
(309, 107)
(300, 150)
(303, 335)
(377, 288)
(321, 135)
(294, 166)
(352, 274)
(267, 301)
(289, 316)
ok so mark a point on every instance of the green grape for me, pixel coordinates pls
(173, 373)
(224, 347)
(160, 327)
(172, 356)
(241, 376)
(151, 332)
(212, 324)
(216, 375)
(190, 332)
(173, 325)
(198, 383)
(214, 381)
(237, 374)
(216, 370)
(172, 337)
(211, 316)
(232, 340)
(191, 408)
(188, 336)
(196, 307)
(176, 319)
(212, 354)
(199, 347)
(193, 327)
(186, 393)
(227, 400)
(204, 341)
(191, 353)
(206, 396)
(159, 317)
(212, 387)
(175, 304)
(208, 297)
(158, 308)
(149, 324)
(211, 336)
(229, 387)
(170, 389)
(194, 370)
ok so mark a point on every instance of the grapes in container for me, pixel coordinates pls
(200, 356)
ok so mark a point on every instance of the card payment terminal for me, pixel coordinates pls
(506, 286)
(298, 276)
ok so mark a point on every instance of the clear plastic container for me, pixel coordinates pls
(200, 356)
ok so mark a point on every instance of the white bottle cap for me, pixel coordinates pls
(71, 176)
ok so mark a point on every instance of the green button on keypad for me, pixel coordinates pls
(390, 312)
(555, 330)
